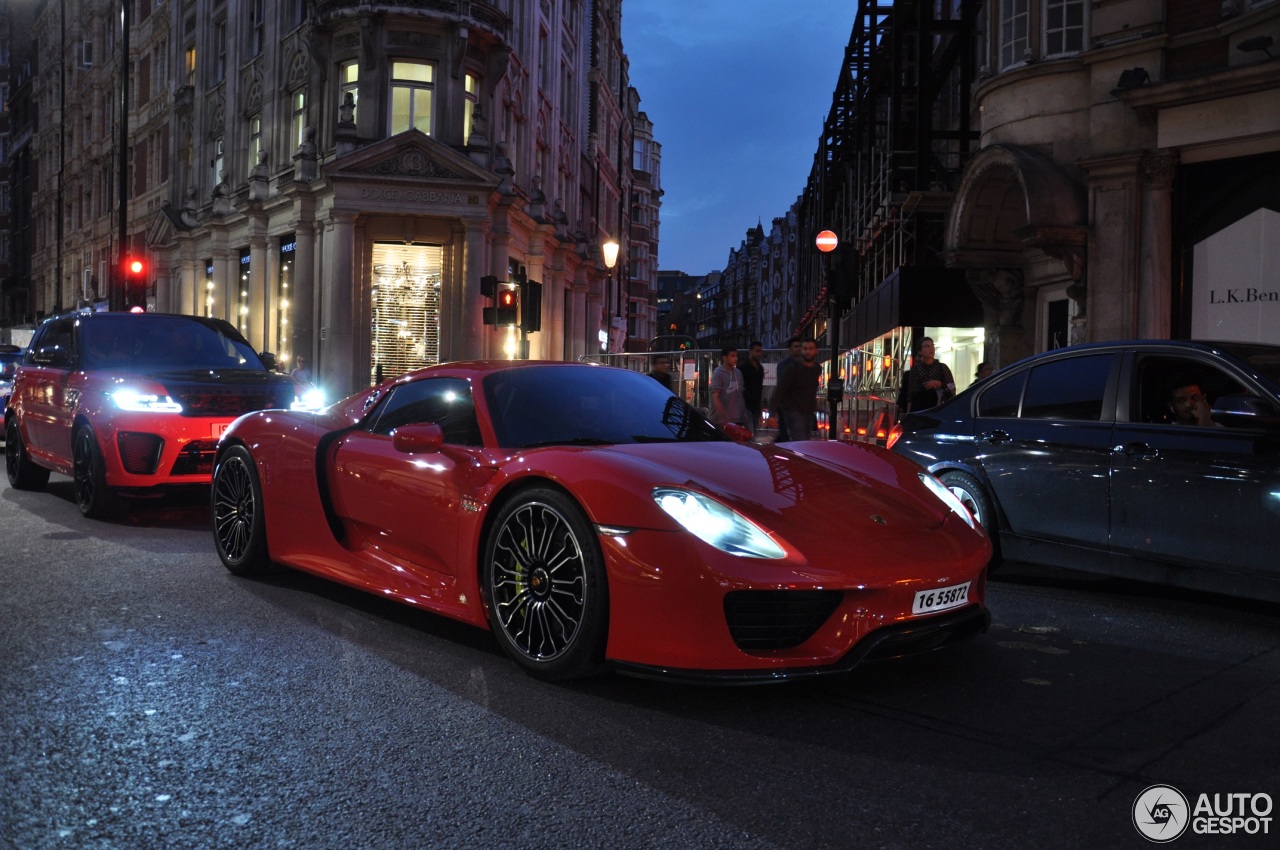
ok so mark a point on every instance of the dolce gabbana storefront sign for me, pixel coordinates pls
(414, 196)
(1236, 274)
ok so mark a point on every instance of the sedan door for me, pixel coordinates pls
(1047, 458)
(407, 506)
(1204, 496)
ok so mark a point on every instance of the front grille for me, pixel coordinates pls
(139, 453)
(761, 620)
(229, 401)
(196, 458)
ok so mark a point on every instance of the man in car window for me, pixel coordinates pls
(1187, 402)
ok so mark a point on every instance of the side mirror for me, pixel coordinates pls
(737, 433)
(51, 355)
(1244, 411)
(415, 439)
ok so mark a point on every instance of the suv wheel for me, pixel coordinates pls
(23, 473)
(89, 477)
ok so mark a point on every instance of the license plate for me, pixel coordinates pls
(942, 599)
(219, 430)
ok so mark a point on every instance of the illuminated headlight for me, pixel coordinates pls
(137, 402)
(310, 401)
(940, 490)
(713, 523)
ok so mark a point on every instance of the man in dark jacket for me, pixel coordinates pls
(753, 382)
(797, 392)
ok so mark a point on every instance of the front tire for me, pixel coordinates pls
(545, 586)
(974, 497)
(89, 477)
(23, 473)
(239, 527)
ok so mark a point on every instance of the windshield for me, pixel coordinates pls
(154, 343)
(1264, 359)
(573, 404)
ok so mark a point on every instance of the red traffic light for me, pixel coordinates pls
(135, 266)
(507, 298)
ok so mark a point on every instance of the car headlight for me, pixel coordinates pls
(309, 401)
(137, 402)
(713, 523)
(940, 490)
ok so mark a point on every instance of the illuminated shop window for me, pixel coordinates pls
(284, 298)
(405, 302)
(208, 288)
(241, 317)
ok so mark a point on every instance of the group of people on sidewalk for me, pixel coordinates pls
(737, 389)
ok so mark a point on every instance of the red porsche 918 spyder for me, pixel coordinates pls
(591, 519)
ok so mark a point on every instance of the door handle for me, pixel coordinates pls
(995, 438)
(1137, 450)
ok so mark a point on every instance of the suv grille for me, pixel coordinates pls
(777, 619)
(229, 401)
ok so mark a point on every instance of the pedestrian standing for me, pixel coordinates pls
(753, 382)
(797, 392)
(660, 369)
(726, 390)
(792, 358)
(928, 383)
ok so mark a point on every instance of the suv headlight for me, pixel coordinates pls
(308, 401)
(714, 523)
(137, 402)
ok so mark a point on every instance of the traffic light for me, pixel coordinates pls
(135, 283)
(508, 310)
(531, 312)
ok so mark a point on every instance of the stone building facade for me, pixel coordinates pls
(335, 178)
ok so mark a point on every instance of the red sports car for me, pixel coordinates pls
(591, 519)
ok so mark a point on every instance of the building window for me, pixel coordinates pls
(294, 13)
(470, 97)
(217, 162)
(219, 51)
(255, 27)
(1014, 17)
(255, 140)
(412, 85)
(1064, 27)
(298, 117)
(348, 83)
(189, 62)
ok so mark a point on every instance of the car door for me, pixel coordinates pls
(407, 505)
(1043, 438)
(1189, 494)
(47, 398)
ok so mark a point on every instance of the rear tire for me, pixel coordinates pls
(239, 526)
(23, 472)
(545, 586)
(967, 489)
(89, 477)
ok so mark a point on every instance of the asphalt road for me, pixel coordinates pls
(149, 699)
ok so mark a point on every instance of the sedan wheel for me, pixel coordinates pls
(967, 489)
(239, 530)
(23, 473)
(545, 587)
(89, 477)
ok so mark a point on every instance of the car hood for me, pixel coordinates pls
(827, 500)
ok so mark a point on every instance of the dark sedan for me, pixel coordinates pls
(1153, 460)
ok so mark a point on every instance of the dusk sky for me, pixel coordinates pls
(737, 91)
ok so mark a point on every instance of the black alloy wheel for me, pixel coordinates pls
(89, 477)
(24, 474)
(239, 528)
(545, 586)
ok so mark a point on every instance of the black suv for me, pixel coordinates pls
(1154, 460)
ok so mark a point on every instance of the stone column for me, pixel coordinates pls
(465, 336)
(335, 368)
(1155, 275)
(259, 289)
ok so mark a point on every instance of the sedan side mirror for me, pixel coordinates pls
(1244, 411)
(421, 438)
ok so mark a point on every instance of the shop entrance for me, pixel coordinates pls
(405, 309)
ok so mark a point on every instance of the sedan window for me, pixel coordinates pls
(1003, 396)
(1071, 389)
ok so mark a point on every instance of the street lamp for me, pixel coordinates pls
(610, 250)
(827, 242)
